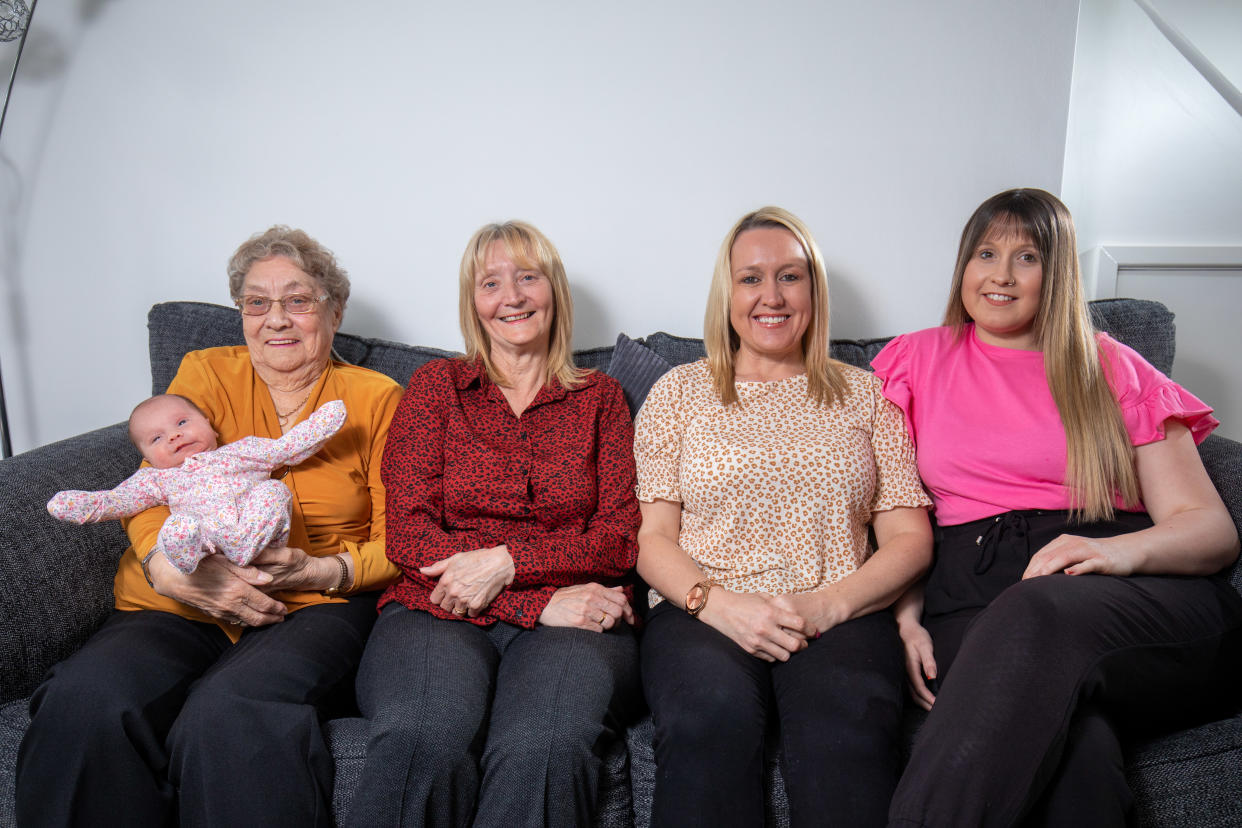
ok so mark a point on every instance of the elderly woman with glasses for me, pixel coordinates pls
(197, 701)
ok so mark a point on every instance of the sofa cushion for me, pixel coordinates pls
(636, 367)
(1145, 326)
(14, 720)
(675, 350)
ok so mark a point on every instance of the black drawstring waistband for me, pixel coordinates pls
(997, 528)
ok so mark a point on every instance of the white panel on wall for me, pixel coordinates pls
(1203, 288)
(156, 136)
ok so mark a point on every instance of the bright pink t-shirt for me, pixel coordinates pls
(986, 430)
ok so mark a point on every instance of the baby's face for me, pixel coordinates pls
(168, 430)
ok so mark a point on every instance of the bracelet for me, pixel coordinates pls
(146, 566)
(340, 586)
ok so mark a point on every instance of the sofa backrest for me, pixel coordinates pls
(176, 328)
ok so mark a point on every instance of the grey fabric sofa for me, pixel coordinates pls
(55, 579)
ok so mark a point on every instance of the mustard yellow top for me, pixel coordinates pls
(338, 499)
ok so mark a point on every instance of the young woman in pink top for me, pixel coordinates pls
(1078, 541)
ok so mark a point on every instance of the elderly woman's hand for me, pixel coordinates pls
(291, 568)
(470, 581)
(762, 626)
(220, 589)
(588, 607)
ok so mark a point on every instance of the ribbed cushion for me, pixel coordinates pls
(636, 367)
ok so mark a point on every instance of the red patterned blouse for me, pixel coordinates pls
(555, 485)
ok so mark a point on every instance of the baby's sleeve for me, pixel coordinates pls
(139, 492)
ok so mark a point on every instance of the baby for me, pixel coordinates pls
(222, 499)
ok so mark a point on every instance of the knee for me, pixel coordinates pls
(709, 718)
(82, 699)
(1040, 609)
(208, 716)
(436, 738)
(536, 741)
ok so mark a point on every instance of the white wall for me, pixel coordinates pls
(1153, 158)
(1154, 154)
(633, 134)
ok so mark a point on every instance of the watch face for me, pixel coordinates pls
(694, 599)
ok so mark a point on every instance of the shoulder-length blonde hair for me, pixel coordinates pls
(825, 384)
(1099, 462)
(528, 248)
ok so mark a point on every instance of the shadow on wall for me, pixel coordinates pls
(593, 326)
(45, 56)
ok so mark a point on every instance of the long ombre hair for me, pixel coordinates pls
(825, 384)
(527, 248)
(1099, 462)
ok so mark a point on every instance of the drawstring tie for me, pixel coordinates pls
(990, 539)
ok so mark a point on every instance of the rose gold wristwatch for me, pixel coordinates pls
(696, 598)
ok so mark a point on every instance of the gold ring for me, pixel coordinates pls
(236, 623)
(602, 616)
(459, 611)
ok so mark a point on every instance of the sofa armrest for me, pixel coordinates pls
(1222, 458)
(55, 578)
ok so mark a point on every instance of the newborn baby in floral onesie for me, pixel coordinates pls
(222, 499)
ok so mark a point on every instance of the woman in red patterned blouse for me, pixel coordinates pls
(504, 653)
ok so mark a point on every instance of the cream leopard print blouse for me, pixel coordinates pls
(776, 491)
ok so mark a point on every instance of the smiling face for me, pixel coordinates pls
(514, 303)
(167, 430)
(287, 348)
(1001, 286)
(770, 304)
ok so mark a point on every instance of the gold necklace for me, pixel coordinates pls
(283, 418)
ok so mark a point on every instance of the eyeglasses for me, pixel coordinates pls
(293, 303)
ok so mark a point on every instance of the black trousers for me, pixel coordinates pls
(1036, 675)
(158, 720)
(490, 726)
(838, 704)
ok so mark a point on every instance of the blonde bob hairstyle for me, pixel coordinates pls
(311, 257)
(825, 384)
(527, 248)
(1099, 462)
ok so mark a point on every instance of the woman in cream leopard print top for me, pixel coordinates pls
(760, 471)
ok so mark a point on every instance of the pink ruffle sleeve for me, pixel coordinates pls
(1148, 398)
(892, 365)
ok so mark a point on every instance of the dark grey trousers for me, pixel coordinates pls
(162, 721)
(499, 726)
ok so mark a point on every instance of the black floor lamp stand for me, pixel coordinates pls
(15, 18)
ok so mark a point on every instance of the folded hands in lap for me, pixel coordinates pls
(768, 627)
(587, 606)
(468, 582)
(220, 589)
